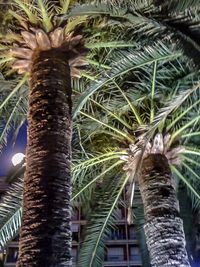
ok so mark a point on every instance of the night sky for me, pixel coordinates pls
(9, 150)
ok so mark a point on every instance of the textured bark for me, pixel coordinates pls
(45, 238)
(164, 227)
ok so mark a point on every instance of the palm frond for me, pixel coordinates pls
(172, 106)
(10, 229)
(13, 107)
(74, 22)
(133, 108)
(190, 171)
(126, 61)
(114, 44)
(185, 181)
(18, 17)
(196, 176)
(13, 92)
(139, 220)
(65, 5)
(25, 7)
(101, 9)
(182, 114)
(181, 129)
(187, 214)
(153, 92)
(112, 114)
(98, 228)
(10, 213)
(191, 160)
(126, 136)
(177, 5)
(190, 134)
(85, 185)
(79, 165)
(191, 151)
(17, 115)
(46, 19)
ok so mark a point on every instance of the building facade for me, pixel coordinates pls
(122, 248)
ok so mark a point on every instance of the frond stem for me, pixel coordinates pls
(108, 111)
(153, 92)
(134, 110)
(175, 170)
(182, 114)
(191, 170)
(108, 126)
(180, 130)
(108, 216)
(96, 178)
(14, 91)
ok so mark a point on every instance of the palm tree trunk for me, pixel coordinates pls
(164, 227)
(45, 238)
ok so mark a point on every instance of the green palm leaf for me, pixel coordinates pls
(185, 181)
(128, 61)
(178, 5)
(10, 212)
(100, 222)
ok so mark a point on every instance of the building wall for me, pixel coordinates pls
(122, 249)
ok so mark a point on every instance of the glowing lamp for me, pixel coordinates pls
(17, 158)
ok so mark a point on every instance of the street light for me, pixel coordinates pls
(17, 158)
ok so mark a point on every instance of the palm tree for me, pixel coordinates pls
(149, 113)
(144, 21)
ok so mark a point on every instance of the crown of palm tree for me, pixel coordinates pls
(176, 20)
(27, 28)
(38, 31)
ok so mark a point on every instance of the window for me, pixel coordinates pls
(117, 233)
(75, 228)
(75, 214)
(74, 254)
(132, 233)
(135, 255)
(16, 239)
(12, 255)
(115, 254)
(119, 213)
